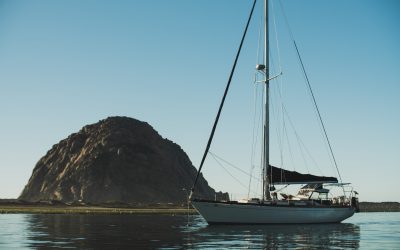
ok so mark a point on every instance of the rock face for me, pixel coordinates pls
(118, 159)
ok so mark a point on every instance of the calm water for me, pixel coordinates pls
(32, 231)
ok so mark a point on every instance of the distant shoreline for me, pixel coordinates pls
(11, 206)
(379, 206)
(23, 209)
(8, 206)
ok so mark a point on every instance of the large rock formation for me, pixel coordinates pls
(118, 159)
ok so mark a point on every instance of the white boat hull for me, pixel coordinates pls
(237, 213)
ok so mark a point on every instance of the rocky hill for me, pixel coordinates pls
(117, 160)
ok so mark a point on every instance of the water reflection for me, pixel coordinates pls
(172, 232)
(343, 235)
(104, 231)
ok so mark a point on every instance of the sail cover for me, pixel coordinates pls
(282, 176)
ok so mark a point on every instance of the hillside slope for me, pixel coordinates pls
(118, 159)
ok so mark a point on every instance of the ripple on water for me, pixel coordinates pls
(366, 231)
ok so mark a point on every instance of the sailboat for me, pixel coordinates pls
(313, 202)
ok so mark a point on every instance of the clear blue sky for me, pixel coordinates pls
(65, 64)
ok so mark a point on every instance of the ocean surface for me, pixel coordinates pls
(50, 231)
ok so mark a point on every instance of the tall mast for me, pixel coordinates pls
(266, 193)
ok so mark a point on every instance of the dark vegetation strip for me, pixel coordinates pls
(14, 206)
(89, 210)
(379, 207)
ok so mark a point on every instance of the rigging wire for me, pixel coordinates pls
(311, 92)
(277, 115)
(290, 150)
(276, 38)
(226, 170)
(318, 112)
(259, 40)
(256, 127)
(255, 134)
(230, 164)
(222, 102)
(218, 159)
(262, 158)
(300, 141)
(280, 133)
